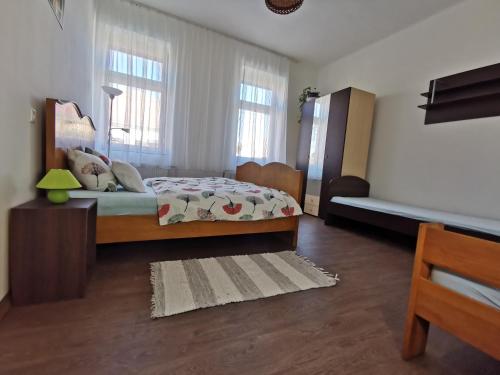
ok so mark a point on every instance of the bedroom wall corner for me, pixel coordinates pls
(39, 60)
(301, 75)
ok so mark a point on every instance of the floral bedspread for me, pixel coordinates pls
(215, 198)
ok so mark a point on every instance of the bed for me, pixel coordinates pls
(455, 286)
(66, 127)
(456, 274)
(350, 199)
(421, 215)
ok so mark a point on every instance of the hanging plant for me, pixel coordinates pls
(307, 93)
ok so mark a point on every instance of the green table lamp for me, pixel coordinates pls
(57, 182)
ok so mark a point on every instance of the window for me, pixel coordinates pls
(139, 108)
(261, 128)
(254, 121)
(192, 99)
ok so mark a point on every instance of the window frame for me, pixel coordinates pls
(115, 78)
(257, 108)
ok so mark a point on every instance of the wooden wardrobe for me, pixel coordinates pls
(334, 141)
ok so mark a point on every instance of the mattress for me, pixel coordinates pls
(479, 292)
(121, 202)
(422, 214)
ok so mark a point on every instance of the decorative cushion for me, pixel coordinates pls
(103, 157)
(128, 176)
(91, 171)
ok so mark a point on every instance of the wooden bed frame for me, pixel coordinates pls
(351, 186)
(476, 257)
(65, 127)
(473, 322)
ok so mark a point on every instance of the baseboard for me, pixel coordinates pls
(4, 306)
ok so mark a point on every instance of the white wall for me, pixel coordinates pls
(302, 75)
(39, 60)
(453, 166)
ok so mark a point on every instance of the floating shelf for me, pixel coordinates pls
(467, 95)
(461, 101)
(472, 86)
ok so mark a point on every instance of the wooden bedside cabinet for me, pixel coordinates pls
(52, 249)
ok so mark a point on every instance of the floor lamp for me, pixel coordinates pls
(112, 93)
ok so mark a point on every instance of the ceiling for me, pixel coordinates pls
(319, 32)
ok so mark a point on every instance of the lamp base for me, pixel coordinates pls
(58, 196)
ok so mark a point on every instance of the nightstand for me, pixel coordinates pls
(52, 250)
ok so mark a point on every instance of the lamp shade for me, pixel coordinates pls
(56, 179)
(112, 91)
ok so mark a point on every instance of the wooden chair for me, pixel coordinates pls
(473, 322)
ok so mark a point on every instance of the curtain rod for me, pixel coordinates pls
(148, 7)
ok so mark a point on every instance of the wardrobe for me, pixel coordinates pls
(335, 133)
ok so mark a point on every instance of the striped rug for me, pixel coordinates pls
(186, 285)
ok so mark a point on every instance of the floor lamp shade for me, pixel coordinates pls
(112, 93)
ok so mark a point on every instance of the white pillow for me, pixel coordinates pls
(128, 176)
(91, 171)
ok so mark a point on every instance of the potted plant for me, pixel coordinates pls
(307, 94)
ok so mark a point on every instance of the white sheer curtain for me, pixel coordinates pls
(137, 64)
(262, 105)
(193, 99)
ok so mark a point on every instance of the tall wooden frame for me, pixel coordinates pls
(473, 322)
(65, 127)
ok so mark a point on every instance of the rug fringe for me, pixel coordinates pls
(153, 279)
(322, 270)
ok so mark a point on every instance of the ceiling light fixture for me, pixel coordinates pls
(284, 6)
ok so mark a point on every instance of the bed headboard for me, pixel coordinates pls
(65, 127)
(275, 175)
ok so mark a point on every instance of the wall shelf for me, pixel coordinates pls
(473, 86)
(462, 96)
(463, 101)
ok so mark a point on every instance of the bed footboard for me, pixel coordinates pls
(473, 322)
(275, 175)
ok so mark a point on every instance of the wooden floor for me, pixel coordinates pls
(353, 328)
